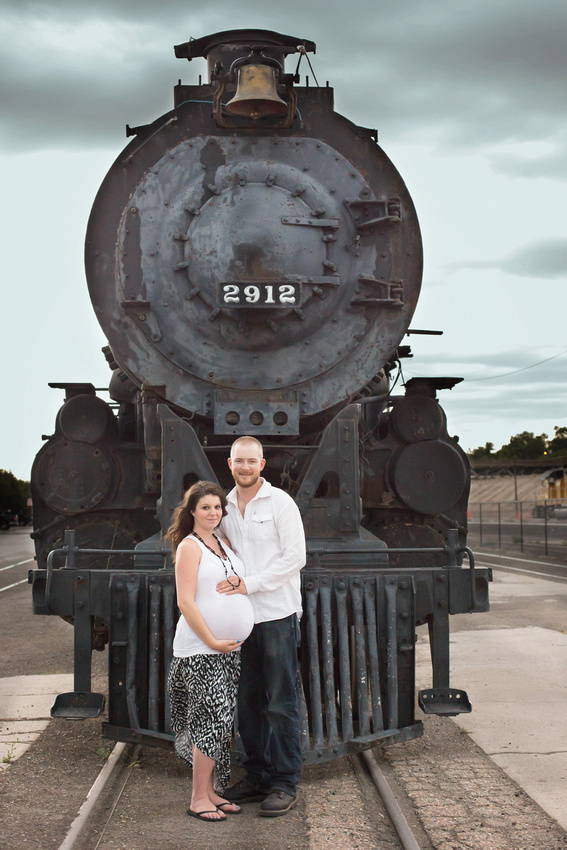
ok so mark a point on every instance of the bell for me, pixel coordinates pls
(256, 95)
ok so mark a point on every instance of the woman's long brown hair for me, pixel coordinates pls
(182, 521)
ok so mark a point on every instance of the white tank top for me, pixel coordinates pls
(228, 617)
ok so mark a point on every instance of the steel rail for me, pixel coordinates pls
(76, 829)
(75, 833)
(395, 813)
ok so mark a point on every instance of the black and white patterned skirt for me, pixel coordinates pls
(202, 693)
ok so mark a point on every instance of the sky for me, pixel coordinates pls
(470, 104)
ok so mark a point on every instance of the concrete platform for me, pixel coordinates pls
(516, 679)
(25, 703)
(517, 682)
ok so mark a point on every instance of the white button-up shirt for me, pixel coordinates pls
(270, 540)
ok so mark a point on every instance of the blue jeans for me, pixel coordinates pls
(268, 711)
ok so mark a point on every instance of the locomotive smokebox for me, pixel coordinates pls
(256, 271)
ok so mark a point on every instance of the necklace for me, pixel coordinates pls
(221, 559)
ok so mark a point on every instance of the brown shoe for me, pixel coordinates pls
(244, 792)
(277, 803)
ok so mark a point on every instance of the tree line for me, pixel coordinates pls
(14, 493)
(526, 446)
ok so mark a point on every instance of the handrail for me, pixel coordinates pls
(373, 549)
(468, 552)
(70, 551)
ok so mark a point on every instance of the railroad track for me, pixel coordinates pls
(399, 821)
(98, 822)
(451, 793)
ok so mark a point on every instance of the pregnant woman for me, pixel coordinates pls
(203, 678)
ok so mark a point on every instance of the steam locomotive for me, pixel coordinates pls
(254, 259)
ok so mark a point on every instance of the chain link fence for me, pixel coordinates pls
(534, 527)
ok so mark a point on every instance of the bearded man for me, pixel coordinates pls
(265, 530)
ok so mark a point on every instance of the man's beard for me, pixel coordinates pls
(248, 482)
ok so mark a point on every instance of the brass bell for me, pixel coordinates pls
(256, 95)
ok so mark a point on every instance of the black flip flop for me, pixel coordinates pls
(199, 816)
(228, 803)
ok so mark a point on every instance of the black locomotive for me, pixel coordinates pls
(254, 260)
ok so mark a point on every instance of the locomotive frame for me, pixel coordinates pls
(381, 485)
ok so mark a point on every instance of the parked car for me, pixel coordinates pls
(8, 518)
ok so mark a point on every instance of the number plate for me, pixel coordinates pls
(275, 294)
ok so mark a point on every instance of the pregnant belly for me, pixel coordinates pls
(228, 617)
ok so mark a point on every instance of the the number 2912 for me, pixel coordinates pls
(233, 293)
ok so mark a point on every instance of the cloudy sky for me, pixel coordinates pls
(469, 102)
